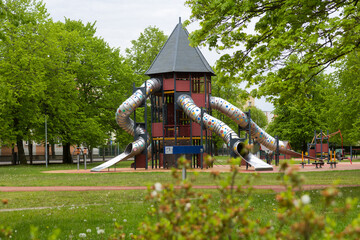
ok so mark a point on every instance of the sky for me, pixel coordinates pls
(120, 21)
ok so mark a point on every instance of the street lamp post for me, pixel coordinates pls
(46, 150)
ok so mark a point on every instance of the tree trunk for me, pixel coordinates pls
(216, 150)
(304, 147)
(53, 151)
(67, 158)
(14, 155)
(91, 154)
(103, 153)
(21, 152)
(30, 147)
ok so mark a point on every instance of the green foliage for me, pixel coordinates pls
(182, 213)
(258, 116)
(275, 43)
(5, 232)
(34, 233)
(297, 115)
(283, 46)
(144, 50)
(20, 13)
(100, 78)
(329, 103)
(22, 67)
(344, 100)
(59, 70)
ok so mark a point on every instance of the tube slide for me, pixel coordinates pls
(125, 122)
(242, 120)
(220, 128)
(187, 104)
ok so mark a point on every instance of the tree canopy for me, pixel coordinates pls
(344, 100)
(144, 49)
(59, 70)
(296, 119)
(258, 116)
(277, 42)
(23, 54)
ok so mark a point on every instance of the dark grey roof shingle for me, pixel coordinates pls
(178, 56)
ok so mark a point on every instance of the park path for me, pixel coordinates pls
(275, 188)
(221, 168)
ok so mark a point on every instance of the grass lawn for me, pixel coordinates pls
(34, 176)
(77, 212)
(73, 212)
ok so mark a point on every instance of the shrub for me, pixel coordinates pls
(179, 212)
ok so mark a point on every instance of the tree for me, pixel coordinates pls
(265, 35)
(258, 116)
(101, 78)
(296, 119)
(58, 70)
(22, 64)
(344, 100)
(144, 50)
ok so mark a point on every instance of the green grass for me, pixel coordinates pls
(75, 212)
(34, 176)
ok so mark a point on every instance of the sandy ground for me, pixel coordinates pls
(223, 168)
(275, 188)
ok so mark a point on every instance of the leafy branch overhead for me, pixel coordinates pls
(275, 42)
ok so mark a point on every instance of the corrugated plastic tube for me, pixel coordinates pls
(128, 107)
(242, 120)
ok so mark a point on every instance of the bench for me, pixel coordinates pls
(318, 163)
(332, 163)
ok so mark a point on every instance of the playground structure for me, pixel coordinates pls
(320, 146)
(321, 150)
(78, 152)
(181, 105)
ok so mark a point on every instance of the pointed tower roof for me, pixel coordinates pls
(178, 56)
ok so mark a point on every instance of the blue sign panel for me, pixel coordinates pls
(183, 149)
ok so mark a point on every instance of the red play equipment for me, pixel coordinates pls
(319, 146)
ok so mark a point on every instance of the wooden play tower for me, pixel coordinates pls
(181, 69)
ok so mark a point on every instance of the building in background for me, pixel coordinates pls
(250, 102)
(269, 115)
(38, 152)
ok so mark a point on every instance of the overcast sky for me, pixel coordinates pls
(120, 21)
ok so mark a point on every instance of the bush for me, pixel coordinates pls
(179, 212)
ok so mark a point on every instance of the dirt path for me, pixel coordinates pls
(222, 168)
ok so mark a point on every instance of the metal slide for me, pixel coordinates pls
(187, 104)
(123, 119)
(242, 120)
(220, 128)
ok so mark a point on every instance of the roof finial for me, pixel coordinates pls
(179, 19)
